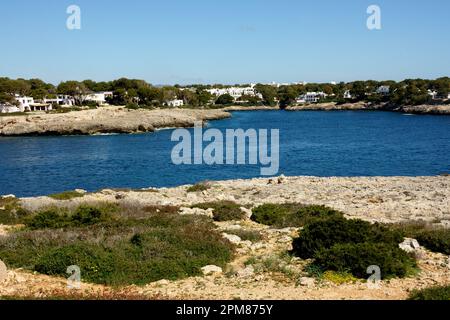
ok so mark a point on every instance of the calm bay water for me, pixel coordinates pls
(341, 143)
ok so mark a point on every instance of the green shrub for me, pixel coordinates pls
(433, 293)
(55, 218)
(223, 210)
(202, 186)
(435, 240)
(338, 278)
(52, 218)
(357, 257)
(291, 214)
(121, 252)
(67, 195)
(324, 233)
(10, 211)
(86, 215)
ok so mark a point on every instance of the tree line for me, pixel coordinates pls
(139, 93)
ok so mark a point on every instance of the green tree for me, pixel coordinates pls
(224, 99)
(75, 89)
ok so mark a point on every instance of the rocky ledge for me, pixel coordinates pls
(331, 106)
(380, 199)
(104, 120)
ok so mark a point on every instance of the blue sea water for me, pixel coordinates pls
(317, 143)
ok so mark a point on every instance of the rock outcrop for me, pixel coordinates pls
(104, 120)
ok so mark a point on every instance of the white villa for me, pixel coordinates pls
(311, 97)
(28, 104)
(235, 92)
(348, 95)
(99, 97)
(384, 90)
(62, 100)
(175, 103)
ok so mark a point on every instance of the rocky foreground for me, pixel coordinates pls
(104, 120)
(383, 199)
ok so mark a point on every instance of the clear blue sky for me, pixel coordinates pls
(225, 41)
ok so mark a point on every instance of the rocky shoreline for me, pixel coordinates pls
(122, 120)
(420, 109)
(105, 120)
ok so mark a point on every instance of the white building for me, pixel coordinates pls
(24, 103)
(175, 103)
(348, 95)
(235, 92)
(276, 84)
(384, 90)
(311, 97)
(28, 104)
(5, 108)
(99, 97)
(62, 100)
(433, 94)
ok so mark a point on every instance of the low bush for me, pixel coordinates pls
(433, 293)
(51, 218)
(355, 258)
(325, 233)
(67, 195)
(121, 252)
(11, 212)
(55, 218)
(435, 240)
(291, 214)
(223, 210)
(338, 277)
(198, 187)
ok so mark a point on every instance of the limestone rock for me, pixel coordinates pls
(248, 212)
(196, 211)
(247, 272)
(211, 269)
(162, 282)
(409, 245)
(307, 282)
(232, 238)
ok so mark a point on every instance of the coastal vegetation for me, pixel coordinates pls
(291, 214)
(11, 213)
(135, 93)
(113, 249)
(342, 245)
(199, 187)
(436, 239)
(433, 293)
(67, 195)
(223, 210)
